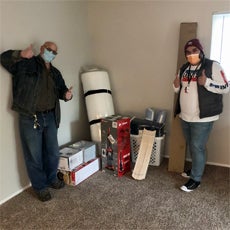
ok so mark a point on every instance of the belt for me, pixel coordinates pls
(45, 112)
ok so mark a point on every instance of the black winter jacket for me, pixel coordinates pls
(26, 75)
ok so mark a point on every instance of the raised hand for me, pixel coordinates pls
(69, 94)
(176, 81)
(202, 79)
(28, 52)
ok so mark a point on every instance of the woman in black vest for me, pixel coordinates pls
(200, 84)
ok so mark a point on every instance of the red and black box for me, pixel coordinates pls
(115, 145)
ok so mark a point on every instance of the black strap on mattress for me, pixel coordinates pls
(95, 121)
(90, 92)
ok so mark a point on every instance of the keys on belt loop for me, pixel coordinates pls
(36, 124)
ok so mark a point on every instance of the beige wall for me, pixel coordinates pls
(136, 41)
(23, 23)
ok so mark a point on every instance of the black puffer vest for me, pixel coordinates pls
(210, 104)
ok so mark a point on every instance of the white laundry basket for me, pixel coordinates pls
(157, 151)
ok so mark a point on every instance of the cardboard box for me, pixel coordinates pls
(177, 143)
(80, 173)
(70, 158)
(88, 148)
(115, 145)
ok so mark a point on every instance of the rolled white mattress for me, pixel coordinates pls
(93, 80)
(98, 98)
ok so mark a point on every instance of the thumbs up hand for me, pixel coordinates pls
(202, 79)
(28, 52)
(176, 81)
(69, 95)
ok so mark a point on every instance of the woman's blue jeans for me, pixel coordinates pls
(40, 148)
(196, 135)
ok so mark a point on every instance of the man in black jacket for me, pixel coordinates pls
(37, 88)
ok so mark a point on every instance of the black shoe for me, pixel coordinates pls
(57, 184)
(190, 185)
(186, 174)
(44, 195)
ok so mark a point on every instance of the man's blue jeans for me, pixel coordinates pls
(40, 147)
(196, 135)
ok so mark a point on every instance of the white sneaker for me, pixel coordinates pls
(190, 186)
(186, 174)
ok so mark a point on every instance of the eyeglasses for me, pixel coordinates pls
(192, 51)
(50, 50)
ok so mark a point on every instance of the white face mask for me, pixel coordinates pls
(48, 56)
(193, 59)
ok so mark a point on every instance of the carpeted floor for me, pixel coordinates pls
(107, 202)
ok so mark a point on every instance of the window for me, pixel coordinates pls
(220, 45)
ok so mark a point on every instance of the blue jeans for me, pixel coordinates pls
(40, 148)
(196, 135)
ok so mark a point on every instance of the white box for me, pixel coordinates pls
(70, 158)
(88, 147)
(83, 171)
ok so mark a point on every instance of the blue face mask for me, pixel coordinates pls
(48, 56)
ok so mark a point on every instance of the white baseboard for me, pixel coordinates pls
(14, 194)
(218, 164)
(208, 162)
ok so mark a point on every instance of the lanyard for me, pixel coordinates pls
(190, 76)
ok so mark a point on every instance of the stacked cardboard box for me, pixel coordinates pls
(70, 158)
(77, 162)
(80, 173)
(115, 145)
(88, 147)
